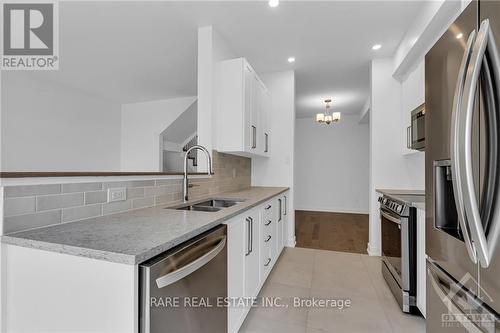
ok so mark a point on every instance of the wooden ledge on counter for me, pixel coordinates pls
(90, 174)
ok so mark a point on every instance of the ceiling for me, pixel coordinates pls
(139, 51)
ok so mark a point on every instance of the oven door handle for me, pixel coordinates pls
(390, 217)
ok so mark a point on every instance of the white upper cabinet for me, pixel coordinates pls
(243, 104)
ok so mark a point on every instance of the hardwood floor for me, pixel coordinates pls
(332, 231)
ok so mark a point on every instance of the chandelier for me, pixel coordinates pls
(326, 117)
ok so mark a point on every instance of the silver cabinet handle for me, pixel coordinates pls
(251, 235)
(184, 271)
(280, 210)
(254, 137)
(390, 217)
(455, 137)
(408, 137)
(485, 49)
(268, 222)
(268, 262)
(268, 238)
(249, 232)
(266, 136)
(268, 207)
(286, 204)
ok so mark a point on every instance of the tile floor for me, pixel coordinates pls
(308, 273)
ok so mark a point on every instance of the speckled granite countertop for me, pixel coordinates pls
(415, 198)
(138, 235)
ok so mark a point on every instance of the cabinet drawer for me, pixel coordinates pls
(266, 259)
(267, 211)
(267, 222)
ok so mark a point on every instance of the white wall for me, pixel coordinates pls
(332, 165)
(388, 167)
(211, 50)
(429, 24)
(50, 127)
(278, 169)
(141, 126)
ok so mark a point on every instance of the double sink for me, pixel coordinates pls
(210, 205)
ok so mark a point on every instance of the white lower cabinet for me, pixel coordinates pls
(236, 249)
(253, 248)
(252, 274)
(268, 239)
(281, 221)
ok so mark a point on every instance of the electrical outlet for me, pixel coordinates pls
(117, 194)
(234, 173)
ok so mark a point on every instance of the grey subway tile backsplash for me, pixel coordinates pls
(47, 202)
(81, 212)
(143, 202)
(31, 190)
(164, 199)
(30, 221)
(116, 207)
(129, 183)
(157, 190)
(18, 206)
(160, 182)
(135, 192)
(81, 187)
(33, 206)
(96, 197)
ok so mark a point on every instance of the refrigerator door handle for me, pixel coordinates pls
(456, 166)
(453, 295)
(484, 50)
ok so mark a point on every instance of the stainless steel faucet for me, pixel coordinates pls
(185, 184)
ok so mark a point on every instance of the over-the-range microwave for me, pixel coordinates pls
(415, 134)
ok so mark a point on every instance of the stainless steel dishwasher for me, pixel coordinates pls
(179, 289)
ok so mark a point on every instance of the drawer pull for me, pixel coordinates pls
(268, 238)
(268, 207)
(268, 262)
(268, 222)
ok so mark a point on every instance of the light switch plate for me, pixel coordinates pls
(117, 194)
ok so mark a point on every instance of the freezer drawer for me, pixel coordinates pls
(452, 308)
(180, 288)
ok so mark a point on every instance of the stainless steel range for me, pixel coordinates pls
(399, 247)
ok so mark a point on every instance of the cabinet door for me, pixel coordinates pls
(249, 126)
(256, 116)
(235, 269)
(266, 118)
(280, 222)
(252, 274)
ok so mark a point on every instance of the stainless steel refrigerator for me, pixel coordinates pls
(462, 101)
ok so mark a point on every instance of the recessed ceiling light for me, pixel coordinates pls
(291, 59)
(460, 35)
(376, 47)
(274, 3)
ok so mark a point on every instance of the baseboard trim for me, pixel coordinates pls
(291, 242)
(334, 210)
(373, 251)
